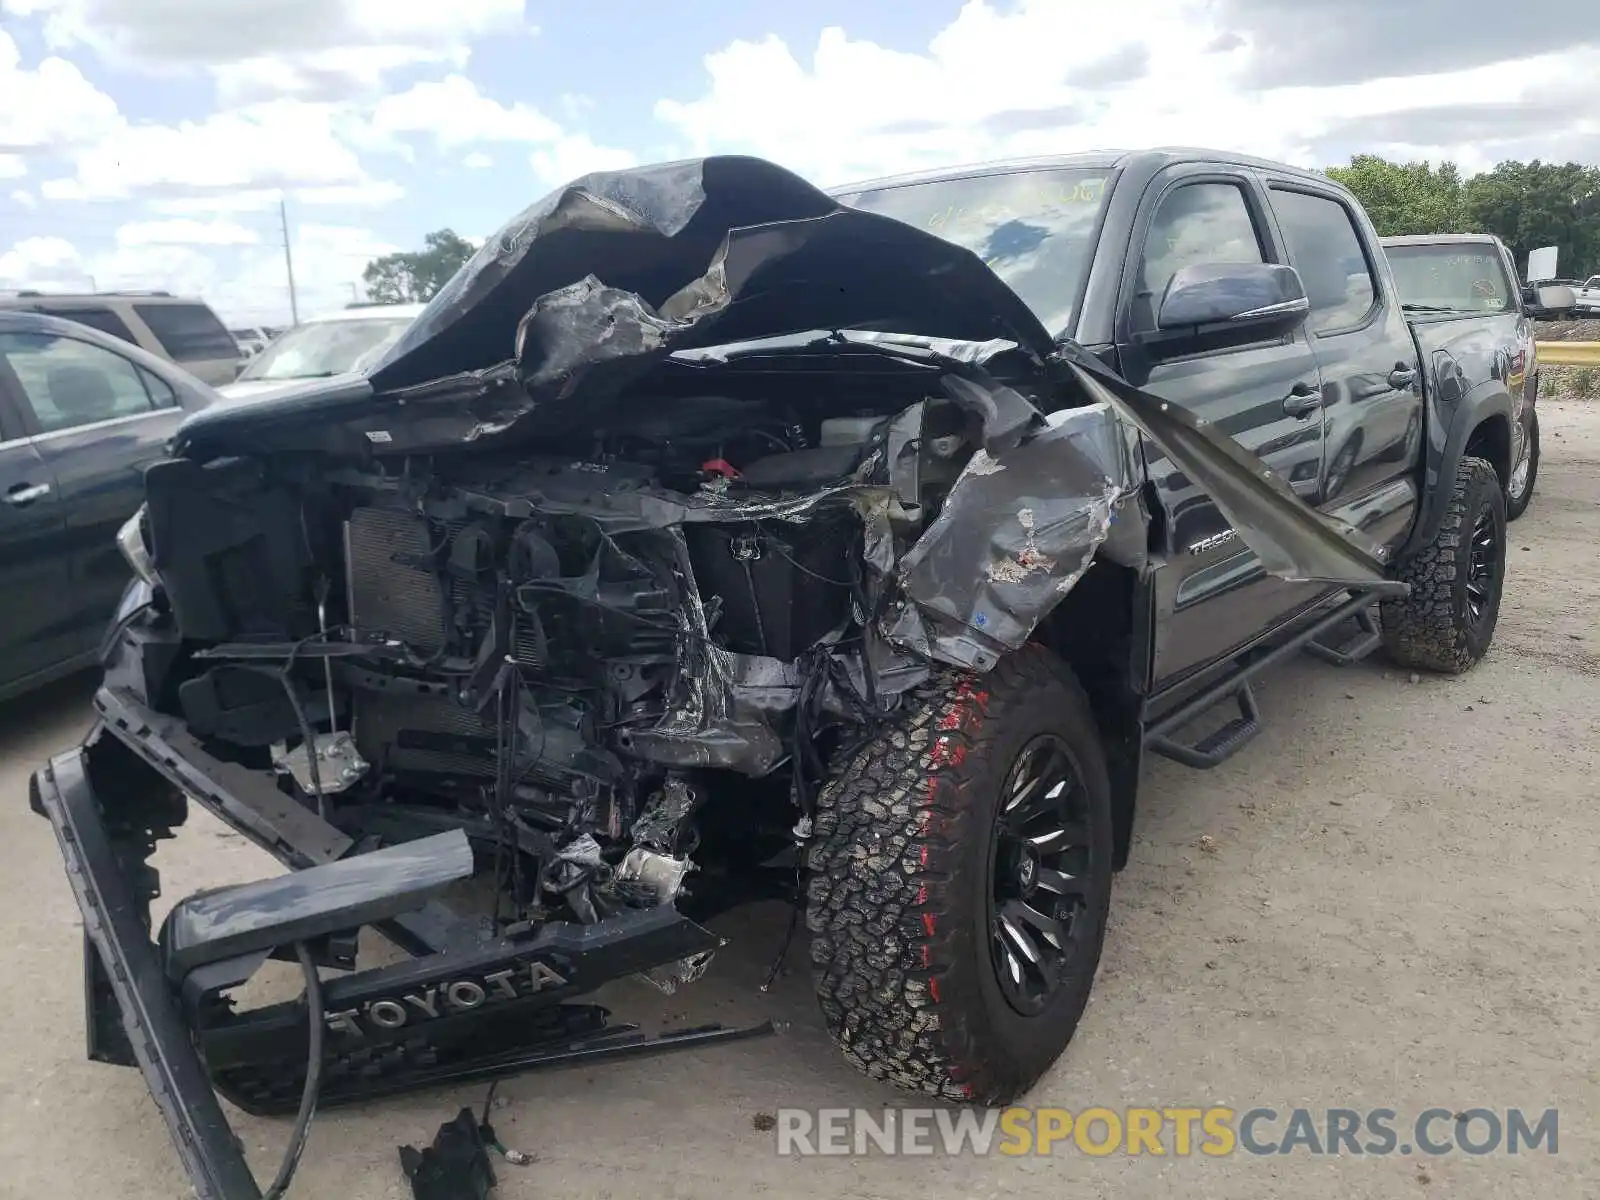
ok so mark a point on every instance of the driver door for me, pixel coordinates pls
(1212, 595)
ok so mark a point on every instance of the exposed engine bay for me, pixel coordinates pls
(572, 656)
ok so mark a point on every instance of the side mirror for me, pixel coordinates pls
(1258, 299)
(1554, 297)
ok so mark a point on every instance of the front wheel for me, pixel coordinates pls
(961, 878)
(1524, 465)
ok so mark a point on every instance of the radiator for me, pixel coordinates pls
(405, 731)
(424, 733)
(389, 597)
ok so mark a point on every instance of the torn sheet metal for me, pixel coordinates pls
(1293, 540)
(1017, 531)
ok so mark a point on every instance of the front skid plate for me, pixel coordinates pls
(485, 1010)
(257, 1059)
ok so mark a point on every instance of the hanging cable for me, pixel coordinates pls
(312, 1090)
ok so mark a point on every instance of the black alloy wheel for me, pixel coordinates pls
(1040, 870)
(1483, 566)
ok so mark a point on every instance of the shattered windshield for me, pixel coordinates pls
(1033, 228)
(324, 348)
(1451, 277)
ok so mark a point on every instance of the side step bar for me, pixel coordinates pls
(1222, 744)
(1368, 637)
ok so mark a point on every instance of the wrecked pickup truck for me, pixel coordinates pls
(711, 537)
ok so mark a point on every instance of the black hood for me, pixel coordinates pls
(604, 277)
(735, 248)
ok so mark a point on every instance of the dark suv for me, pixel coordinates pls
(181, 329)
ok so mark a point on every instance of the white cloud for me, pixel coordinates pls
(184, 231)
(370, 194)
(246, 157)
(275, 143)
(367, 193)
(24, 198)
(455, 113)
(575, 154)
(321, 49)
(325, 74)
(1049, 76)
(12, 166)
(49, 106)
(38, 259)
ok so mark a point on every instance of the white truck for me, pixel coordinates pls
(1588, 301)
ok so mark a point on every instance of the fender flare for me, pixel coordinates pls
(1452, 428)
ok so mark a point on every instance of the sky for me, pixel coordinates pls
(149, 143)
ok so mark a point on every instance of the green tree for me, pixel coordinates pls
(1528, 205)
(1406, 198)
(411, 277)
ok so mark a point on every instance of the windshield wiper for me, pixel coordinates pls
(1430, 308)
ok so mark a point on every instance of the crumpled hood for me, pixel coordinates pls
(736, 247)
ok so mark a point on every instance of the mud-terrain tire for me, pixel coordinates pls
(1519, 486)
(1447, 623)
(913, 866)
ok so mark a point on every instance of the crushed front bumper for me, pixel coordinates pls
(471, 1003)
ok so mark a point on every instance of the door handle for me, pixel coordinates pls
(23, 494)
(1402, 377)
(1303, 399)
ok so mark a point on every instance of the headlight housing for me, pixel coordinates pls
(136, 550)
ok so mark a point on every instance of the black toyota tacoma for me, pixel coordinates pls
(711, 536)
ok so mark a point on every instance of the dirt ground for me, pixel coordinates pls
(1391, 899)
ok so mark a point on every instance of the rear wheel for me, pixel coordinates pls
(1447, 622)
(961, 881)
(1524, 464)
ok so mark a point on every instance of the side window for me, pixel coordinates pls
(102, 319)
(1325, 248)
(71, 383)
(189, 332)
(161, 395)
(1196, 223)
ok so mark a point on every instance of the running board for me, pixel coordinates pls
(1366, 639)
(1217, 747)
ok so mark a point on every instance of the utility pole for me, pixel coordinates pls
(288, 262)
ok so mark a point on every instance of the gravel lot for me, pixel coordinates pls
(1390, 899)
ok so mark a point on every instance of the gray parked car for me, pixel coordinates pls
(180, 329)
